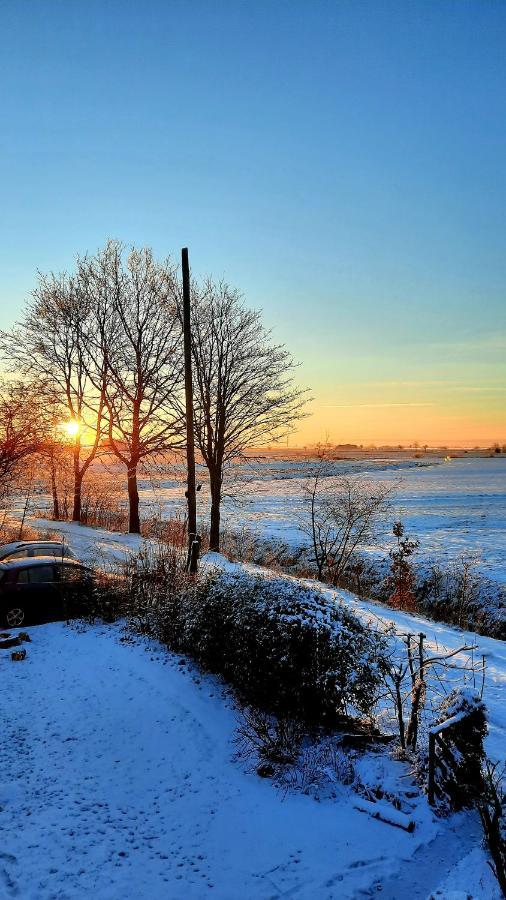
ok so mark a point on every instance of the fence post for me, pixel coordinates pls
(432, 764)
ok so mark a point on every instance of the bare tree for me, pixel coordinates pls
(466, 578)
(52, 344)
(244, 393)
(342, 515)
(412, 677)
(56, 448)
(138, 336)
(20, 431)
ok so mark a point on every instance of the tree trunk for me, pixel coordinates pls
(76, 510)
(54, 491)
(78, 480)
(214, 532)
(134, 522)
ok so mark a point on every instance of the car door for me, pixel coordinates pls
(44, 597)
(16, 595)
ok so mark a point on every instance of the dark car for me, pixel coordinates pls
(43, 589)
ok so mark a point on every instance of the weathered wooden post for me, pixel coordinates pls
(191, 495)
(432, 765)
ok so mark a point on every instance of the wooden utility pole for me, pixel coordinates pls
(191, 495)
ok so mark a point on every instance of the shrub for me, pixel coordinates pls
(286, 649)
(402, 579)
(492, 809)
(461, 781)
(269, 739)
(154, 583)
(318, 768)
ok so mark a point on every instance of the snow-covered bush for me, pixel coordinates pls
(492, 809)
(461, 723)
(318, 769)
(285, 648)
(154, 579)
(459, 593)
(265, 737)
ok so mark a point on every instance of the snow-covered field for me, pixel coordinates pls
(118, 780)
(450, 507)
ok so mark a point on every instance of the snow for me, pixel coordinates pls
(118, 781)
(471, 877)
(118, 761)
(450, 507)
(95, 546)
(386, 812)
(100, 547)
(439, 637)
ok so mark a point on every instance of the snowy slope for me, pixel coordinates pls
(438, 637)
(118, 781)
(99, 546)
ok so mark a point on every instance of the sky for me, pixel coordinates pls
(342, 163)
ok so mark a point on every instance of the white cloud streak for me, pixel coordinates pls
(373, 405)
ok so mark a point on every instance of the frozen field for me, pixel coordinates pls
(450, 507)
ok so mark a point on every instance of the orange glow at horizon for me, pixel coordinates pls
(384, 417)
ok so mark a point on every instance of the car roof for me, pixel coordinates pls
(13, 545)
(18, 544)
(34, 561)
(6, 549)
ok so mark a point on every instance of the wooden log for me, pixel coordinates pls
(364, 740)
(386, 813)
(10, 642)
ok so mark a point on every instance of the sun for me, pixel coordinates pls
(71, 428)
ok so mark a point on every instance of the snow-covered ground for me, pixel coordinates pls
(451, 507)
(118, 780)
(98, 546)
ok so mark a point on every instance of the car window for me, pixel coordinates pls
(19, 554)
(41, 574)
(22, 576)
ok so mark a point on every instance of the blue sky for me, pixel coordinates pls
(342, 163)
